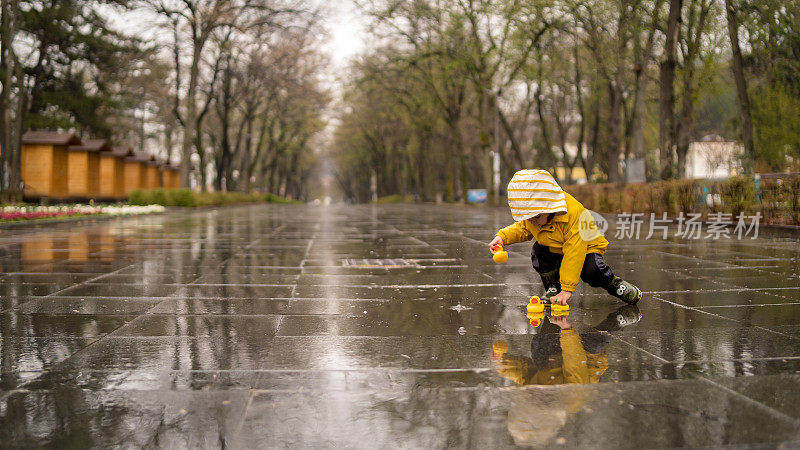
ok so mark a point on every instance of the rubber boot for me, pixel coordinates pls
(624, 290)
(552, 285)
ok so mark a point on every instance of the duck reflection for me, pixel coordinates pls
(561, 355)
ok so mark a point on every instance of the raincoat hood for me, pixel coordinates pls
(532, 192)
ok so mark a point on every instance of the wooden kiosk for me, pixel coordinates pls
(134, 172)
(112, 174)
(83, 177)
(153, 173)
(171, 175)
(45, 163)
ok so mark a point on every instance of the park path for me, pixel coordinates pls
(373, 326)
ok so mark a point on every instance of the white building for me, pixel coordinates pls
(714, 157)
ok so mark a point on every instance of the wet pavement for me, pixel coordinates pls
(390, 326)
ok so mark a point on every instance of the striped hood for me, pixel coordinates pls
(533, 192)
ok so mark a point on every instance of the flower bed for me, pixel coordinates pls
(26, 213)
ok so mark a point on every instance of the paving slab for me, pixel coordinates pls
(386, 326)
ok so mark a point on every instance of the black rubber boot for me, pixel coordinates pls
(552, 285)
(624, 290)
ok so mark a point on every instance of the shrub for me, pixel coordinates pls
(396, 198)
(604, 204)
(669, 197)
(189, 198)
(653, 197)
(773, 198)
(610, 198)
(791, 188)
(158, 197)
(272, 198)
(685, 195)
(633, 199)
(209, 198)
(180, 197)
(139, 197)
(588, 195)
(739, 194)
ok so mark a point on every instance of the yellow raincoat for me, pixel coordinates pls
(561, 235)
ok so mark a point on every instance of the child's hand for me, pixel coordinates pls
(561, 297)
(496, 241)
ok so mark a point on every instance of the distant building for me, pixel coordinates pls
(713, 157)
(578, 174)
(44, 163)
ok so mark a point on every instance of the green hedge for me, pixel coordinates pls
(778, 200)
(189, 198)
(396, 198)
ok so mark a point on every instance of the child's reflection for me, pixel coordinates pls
(559, 355)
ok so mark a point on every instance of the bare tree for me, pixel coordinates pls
(203, 18)
(741, 87)
(667, 138)
(696, 47)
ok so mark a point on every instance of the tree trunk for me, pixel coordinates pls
(168, 134)
(515, 147)
(741, 88)
(422, 181)
(191, 117)
(614, 131)
(589, 161)
(19, 129)
(637, 121)
(202, 156)
(666, 119)
(581, 110)
(685, 123)
(273, 169)
(224, 159)
(246, 167)
(458, 142)
(544, 157)
(5, 97)
(640, 72)
(11, 129)
(627, 119)
(449, 179)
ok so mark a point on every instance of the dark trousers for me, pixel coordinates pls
(595, 272)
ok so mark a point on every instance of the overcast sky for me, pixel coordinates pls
(346, 26)
(348, 30)
(346, 38)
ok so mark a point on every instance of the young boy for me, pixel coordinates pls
(562, 253)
